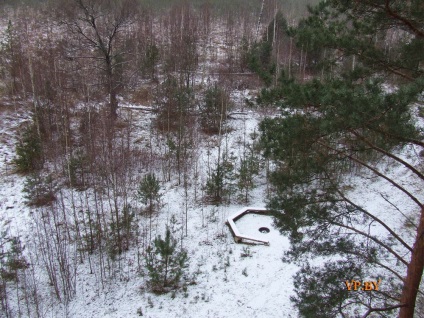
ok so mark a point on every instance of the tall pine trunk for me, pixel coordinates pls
(414, 273)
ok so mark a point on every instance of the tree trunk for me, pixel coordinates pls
(113, 103)
(113, 100)
(414, 273)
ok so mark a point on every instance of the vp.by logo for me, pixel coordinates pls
(368, 286)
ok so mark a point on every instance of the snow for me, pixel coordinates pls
(241, 235)
(225, 282)
(250, 224)
(226, 279)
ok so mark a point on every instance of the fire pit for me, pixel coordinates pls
(264, 230)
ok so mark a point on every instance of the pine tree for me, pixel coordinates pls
(214, 110)
(148, 191)
(29, 151)
(120, 233)
(261, 55)
(249, 167)
(219, 182)
(8, 57)
(39, 190)
(343, 122)
(165, 263)
(11, 257)
(150, 60)
(174, 102)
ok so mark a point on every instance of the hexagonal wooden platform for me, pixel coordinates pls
(238, 236)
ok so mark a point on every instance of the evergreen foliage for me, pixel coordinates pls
(12, 262)
(219, 184)
(148, 191)
(92, 237)
(77, 167)
(330, 127)
(11, 52)
(174, 102)
(39, 190)
(214, 110)
(165, 263)
(29, 151)
(244, 53)
(260, 56)
(11, 258)
(248, 169)
(327, 277)
(260, 62)
(151, 60)
(5, 50)
(120, 232)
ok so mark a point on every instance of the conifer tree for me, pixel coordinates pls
(219, 182)
(342, 122)
(9, 49)
(148, 191)
(29, 151)
(214, 110)
(165, 263)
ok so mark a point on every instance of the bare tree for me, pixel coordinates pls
(97, 25)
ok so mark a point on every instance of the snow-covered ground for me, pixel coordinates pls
(226, 279)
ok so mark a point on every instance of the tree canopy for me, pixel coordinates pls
(353, 117)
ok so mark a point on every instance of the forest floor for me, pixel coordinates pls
(225, 279)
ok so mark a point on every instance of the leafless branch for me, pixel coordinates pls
(371, 310)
